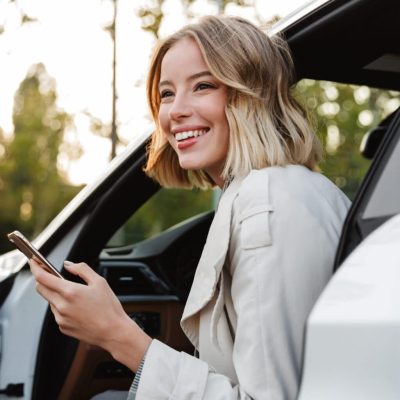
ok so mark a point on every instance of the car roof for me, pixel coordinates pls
(349, 41)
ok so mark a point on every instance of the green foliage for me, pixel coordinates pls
(343, 115)
(31, 189)
(151, 16)
(165, 209)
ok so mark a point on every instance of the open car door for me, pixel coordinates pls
(351, 349)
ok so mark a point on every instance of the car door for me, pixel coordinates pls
(351, 348)
(378, 198)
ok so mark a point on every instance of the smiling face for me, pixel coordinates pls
(192, 110)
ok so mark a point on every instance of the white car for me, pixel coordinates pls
(352, 335)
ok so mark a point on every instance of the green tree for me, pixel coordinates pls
(32, 190)
(343, 115)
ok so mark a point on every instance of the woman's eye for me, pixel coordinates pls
(204, 85)
(166, 93)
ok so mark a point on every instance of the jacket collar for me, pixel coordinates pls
(211, 262)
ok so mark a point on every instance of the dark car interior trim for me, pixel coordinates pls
(355, 228)
(315, 45)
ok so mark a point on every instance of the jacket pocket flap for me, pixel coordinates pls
(255, 227)
(255, 210)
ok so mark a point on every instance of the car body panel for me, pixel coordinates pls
(305, 10)
(22, 316)
(352, 350)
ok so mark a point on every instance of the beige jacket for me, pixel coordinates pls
(268, 255)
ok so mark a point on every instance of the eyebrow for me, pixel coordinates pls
(190, 78)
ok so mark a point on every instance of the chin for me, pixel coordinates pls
(190, 166)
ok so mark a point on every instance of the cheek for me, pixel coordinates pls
(163, 122)
(163, 118)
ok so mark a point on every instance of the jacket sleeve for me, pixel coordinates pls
(281, 256)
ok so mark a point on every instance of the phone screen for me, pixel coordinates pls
(27, 248)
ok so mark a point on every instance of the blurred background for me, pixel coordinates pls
(72, 96)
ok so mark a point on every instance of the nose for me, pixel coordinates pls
(180, 107)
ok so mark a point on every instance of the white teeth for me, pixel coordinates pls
(188, 134)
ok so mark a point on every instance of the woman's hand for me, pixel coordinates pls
(92, 313)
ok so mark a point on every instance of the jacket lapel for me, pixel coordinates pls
(210, 264)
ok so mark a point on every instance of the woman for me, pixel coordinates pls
(219, 93)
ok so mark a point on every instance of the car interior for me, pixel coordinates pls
(152, 277)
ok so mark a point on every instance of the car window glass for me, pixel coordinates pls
(165, 209)
(385, 198)
(342, 115)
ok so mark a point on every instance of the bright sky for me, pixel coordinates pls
(69, 40)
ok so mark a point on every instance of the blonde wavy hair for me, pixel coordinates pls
(268, 127)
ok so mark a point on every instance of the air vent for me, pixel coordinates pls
(132, 278)
(119, 251)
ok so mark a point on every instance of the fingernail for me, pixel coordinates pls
(66, 263)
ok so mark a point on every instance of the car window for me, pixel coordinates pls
(385, 198)
(165, 209)
(378, 197)
(342, 115)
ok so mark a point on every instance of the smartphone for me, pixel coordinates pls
(27, 248)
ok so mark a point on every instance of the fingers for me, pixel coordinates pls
(74, 304)
(52, 287)
(82, 270)
(62, 304)
(43, 277)
(51, 296)
(62, 321)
